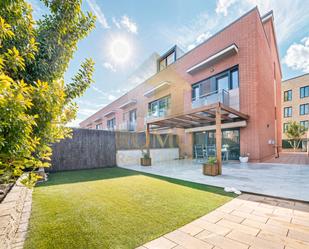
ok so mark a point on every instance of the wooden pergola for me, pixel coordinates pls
(202, 116)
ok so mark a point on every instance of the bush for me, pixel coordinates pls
(35, 103)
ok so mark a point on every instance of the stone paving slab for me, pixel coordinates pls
(246, 222)
(289, 181)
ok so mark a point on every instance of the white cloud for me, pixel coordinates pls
(126, 23)
(187, 35)
(199, 39)
(109, 66)
(290, 16)
(117, 24)
(223, 5)
(129, 24)
(111, 97)
(95, 8)
(297, 56)
(87, 111)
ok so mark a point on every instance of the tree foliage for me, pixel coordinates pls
(35, 103)
(294, 133)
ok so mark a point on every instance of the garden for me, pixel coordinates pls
(114, 208)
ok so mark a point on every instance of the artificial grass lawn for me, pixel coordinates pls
(114, 208)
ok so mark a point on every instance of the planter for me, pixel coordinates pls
(146, 161)
(210, 169)
(243, 159)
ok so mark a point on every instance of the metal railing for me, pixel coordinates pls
(221, 96)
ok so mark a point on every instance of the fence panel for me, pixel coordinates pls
(86, 149)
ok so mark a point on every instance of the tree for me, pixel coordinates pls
(35, 103)
(294, 132)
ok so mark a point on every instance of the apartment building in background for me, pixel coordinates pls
(295, 104)
(238, 66)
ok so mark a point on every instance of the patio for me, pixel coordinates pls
(278, 180)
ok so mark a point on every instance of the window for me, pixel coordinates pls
(111, 124)
(287, 112)
(159, 108)
(285, 127)
(234, 78)
(288, 95)
(167, 60)
(304, 92)
(98, 126)
(304, 109)
(226, 80)
(305, 124)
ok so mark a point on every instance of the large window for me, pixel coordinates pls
(304, 109)
(288, 95)
(226, 80)
(167, 60)
(305, 124)
(304, 92)
(159, 108)
(287, 112)
(111, 124)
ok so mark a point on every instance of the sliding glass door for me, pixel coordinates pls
(230, 142)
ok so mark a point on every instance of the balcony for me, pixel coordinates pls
(221, 96)
(128, 126)
(158, 114)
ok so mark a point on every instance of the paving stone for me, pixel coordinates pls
(239, 227)
(160, 243)
(216, 215)
(221, 242)
(214, 228)
(254, 241)
(300, 221)
(267, 227)
(294, 234)
(298, 244)
(191, 229)
(288, 225)
(187, 241)
(258, 218)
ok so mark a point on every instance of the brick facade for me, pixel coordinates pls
(259, 83)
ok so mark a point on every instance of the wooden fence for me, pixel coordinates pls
(97, 148)
(86, 149)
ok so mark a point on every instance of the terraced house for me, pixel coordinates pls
(295, 105)
(235, 72)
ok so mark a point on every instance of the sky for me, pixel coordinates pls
(127, 33)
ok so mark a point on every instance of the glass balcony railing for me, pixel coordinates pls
(128, 126)
(221, 96)
(157, 114)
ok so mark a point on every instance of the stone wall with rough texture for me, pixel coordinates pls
(15, 212)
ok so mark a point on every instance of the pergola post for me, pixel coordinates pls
(148, 138)
(218, 138)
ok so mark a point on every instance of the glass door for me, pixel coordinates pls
(223, 82)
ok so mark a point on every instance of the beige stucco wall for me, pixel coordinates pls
(294, 84)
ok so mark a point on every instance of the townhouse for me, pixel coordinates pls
(237, 68)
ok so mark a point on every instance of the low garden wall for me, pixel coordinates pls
(132, 157)
(15, 211)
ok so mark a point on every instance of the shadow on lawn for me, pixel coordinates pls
(67, 177)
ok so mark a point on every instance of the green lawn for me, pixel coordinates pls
(114, 208)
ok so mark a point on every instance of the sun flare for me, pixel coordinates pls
(120, 50)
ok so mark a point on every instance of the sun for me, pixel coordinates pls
(120, 50)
